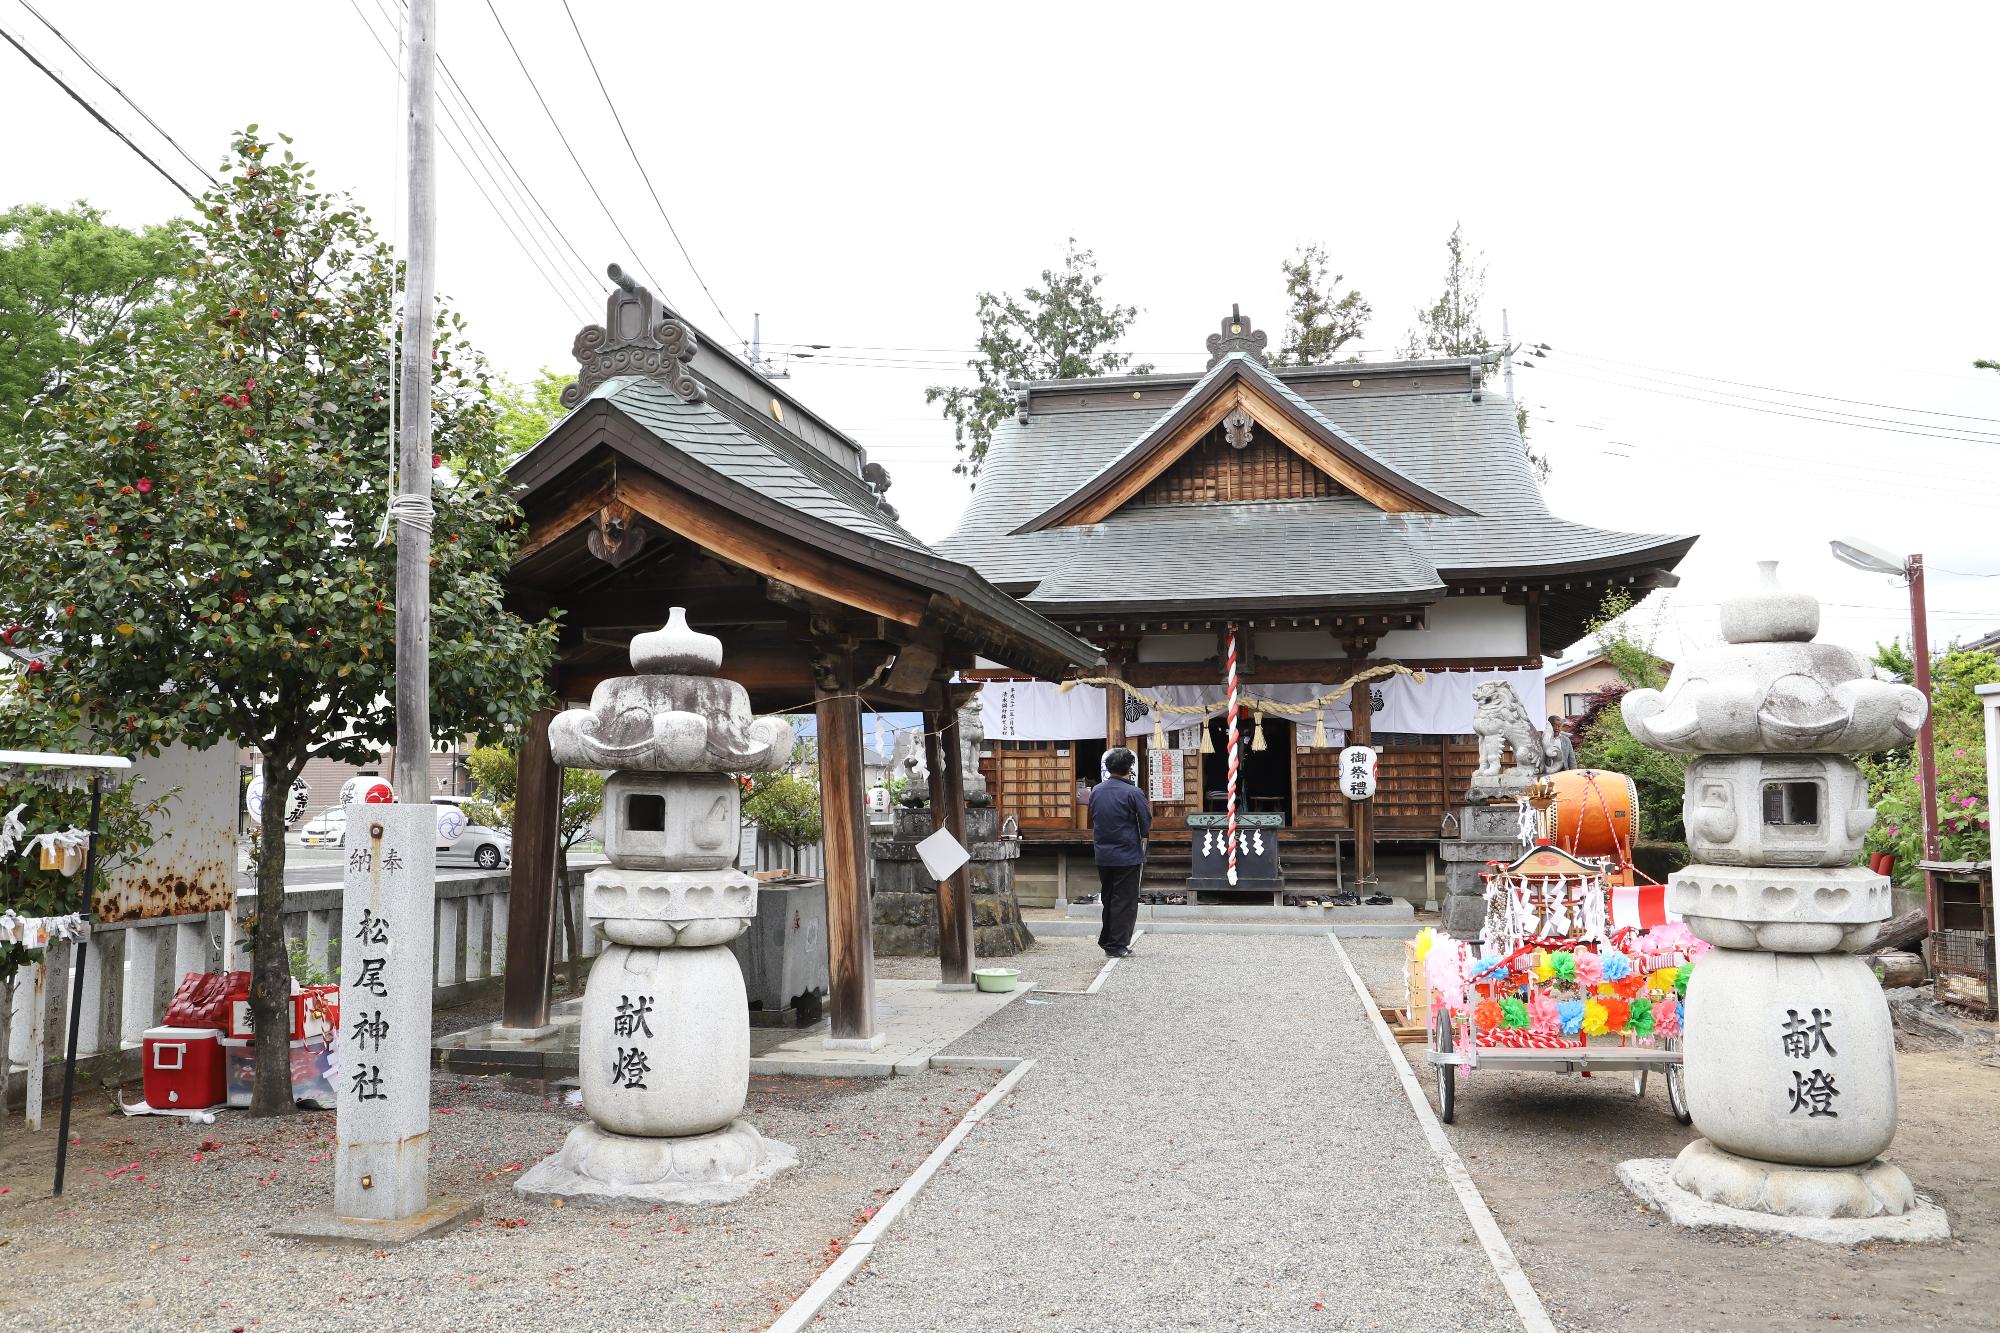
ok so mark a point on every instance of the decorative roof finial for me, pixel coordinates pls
(1237, 336)
(629, 342)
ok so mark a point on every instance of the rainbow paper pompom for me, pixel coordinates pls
(1541, 967)
(1667, 1018)
(1595, 1021)
(1542, 1013)
(1489, 969)
(1563, 965)
(1570, 1014)
(1589, 969)
(1681, 981)
(1664, 979)
(1513, 1013)
(1425, 939)
(1617, 1013)
(1617, 966)
(1641, 1020)
(1487, 1016)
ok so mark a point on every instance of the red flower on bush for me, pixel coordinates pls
(144, 485)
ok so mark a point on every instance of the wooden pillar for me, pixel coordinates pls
(850, 941)
(1362, 732)
(944, 755)
(531, 896)
(1114, 706)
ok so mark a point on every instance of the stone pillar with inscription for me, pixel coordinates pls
(1790, 1055)
(664, 1042)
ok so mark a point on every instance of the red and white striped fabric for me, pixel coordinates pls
(1640, 906)
(1235, 756)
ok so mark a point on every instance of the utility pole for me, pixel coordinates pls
(1506, 354)
(1920, 670)
(412, 505)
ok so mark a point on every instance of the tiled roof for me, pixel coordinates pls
(1465, 451)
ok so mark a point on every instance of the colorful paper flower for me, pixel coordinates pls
(1543, 1015)
(1570, 1014)
(1681, 981)
(1564, 966)
(1641, 1020)
(1616, 965)
(1595, 1022)
(1486, 1016)
(1539, 967)
(1513, 1013)
(1667, 1018)
(1425, 939)
(1488, 970)
(1617, 1013)
(1664, 979)
(1589, 968)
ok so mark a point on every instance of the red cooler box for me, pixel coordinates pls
(183, 1068)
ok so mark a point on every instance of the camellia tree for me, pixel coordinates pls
(197, 540)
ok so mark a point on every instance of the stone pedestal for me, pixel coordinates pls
(1486, 833)
(905, 897)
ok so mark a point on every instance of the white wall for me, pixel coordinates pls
(1176, 647)
(1463, 627)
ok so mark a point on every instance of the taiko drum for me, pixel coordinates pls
(1595, 813)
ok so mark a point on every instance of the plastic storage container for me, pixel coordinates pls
(182, 1068)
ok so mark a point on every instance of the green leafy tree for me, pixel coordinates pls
(527, 411)
(1602, 740)
(494, 768)
(195, 525)
(1322, 318)
(785, 804)
(1958, 744)
(1452, 326)
(72, 286)
(1061, 330)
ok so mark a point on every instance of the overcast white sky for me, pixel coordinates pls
(1788, 200)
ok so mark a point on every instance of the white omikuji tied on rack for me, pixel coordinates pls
(62, 849)
(1357, 772)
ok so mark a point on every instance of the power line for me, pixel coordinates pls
(97, 115)
(108, 82)
(1767, 388)
(557, 125)
(460, 159)
(645, 175)
(1876, 425)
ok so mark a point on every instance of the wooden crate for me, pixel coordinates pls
(1416, 987)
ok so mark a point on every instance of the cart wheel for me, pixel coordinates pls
(1677, 1096)
(1447, 1074)
(1639, 1081)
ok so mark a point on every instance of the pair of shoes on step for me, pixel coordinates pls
(1119, 953)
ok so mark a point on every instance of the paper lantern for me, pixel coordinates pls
(1357, 772)
(451, 822)
(375, 791)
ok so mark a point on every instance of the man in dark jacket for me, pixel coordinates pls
(1121, 819)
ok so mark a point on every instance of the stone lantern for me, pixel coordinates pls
(1790, 1055)
(664, 1041)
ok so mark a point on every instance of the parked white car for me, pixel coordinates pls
(460, 841)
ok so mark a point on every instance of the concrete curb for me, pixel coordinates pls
(1534, 1318)
(1097, 982)
(857, 1251)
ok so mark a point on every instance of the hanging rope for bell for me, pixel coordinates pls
(1257, 732)
(1319, 729)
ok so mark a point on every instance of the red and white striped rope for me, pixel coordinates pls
(1235, 756)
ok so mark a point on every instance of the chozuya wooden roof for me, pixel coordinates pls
(682, 477)
(1429, 491)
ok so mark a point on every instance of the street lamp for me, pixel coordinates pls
(1865, 555)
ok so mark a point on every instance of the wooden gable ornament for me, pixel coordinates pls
(1248, 402)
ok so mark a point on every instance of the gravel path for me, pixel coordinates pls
(166, 1224)
(1213, 1141)
(1064, 962)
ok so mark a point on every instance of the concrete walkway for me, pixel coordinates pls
(1216, 1140)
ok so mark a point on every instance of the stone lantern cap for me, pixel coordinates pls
(1772, 690)
(675, 716)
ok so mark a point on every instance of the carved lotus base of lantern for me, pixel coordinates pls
(1781, 909)
(598, 1166)
(1706, 1187)
(619, 897)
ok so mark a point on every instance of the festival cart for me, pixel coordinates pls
(1571, 977)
